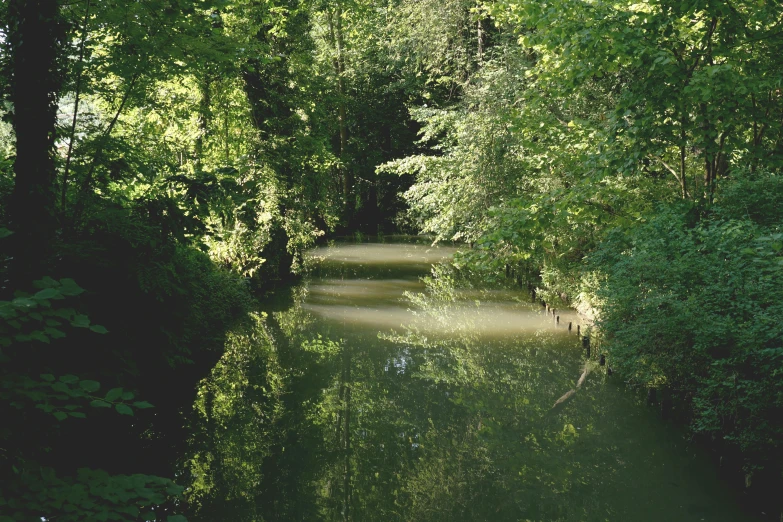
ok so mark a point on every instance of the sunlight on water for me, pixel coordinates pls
(373, 254)
(374, 397)
(345, 294)
(489, 319)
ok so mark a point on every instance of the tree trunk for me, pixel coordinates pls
(203, 120)
(35, 36)
(336, 32)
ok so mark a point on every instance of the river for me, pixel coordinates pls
(371, 396)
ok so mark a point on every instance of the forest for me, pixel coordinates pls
(166, 165)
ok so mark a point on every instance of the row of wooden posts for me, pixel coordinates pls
(653, 397)
(585, 338)
(652, 393)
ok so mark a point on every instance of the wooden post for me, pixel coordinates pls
(586, 345)
(578, 328)
(569, 326)
(557, 320)
(602, 360)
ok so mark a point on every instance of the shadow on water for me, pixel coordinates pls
(377, 397)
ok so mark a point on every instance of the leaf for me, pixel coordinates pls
(4, 232)
(47, 293)
(77, 414)
(142, 405)
(60, 415)
(24, 302)
(100, 404)
(80, 321)
(176, 518)
(69, 379)
(48, 377)
(46, 282)
(123, 409)
(113, 394)
(69, 287)
(127, 396)
(54, 333)
(90, 386)
(39, 336)
(98, 329)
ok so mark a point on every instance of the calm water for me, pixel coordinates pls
(372, 396)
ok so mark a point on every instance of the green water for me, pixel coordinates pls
(355, 402)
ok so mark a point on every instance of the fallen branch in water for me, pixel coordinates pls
(565, 397)
(570, 393)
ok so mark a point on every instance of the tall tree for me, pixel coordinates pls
(36, 34)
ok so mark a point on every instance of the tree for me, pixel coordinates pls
(36, 32)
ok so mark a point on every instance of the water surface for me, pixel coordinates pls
(374, 397)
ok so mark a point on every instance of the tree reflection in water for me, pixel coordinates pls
(312, 415)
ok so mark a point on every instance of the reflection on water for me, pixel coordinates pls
(376, 397)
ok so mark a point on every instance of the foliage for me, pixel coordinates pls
(31, 489)
(90, 495)
(623, 158)
(693, 306)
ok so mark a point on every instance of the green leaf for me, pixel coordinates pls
(48, 377)
(113, 394)
(81, 321)
(176, 518)
(90, 386)
(39, 336)
(69, 379)
(100, 404)
(24, 302)
(127, 396)
(142, 405)
(77, 414)
(54, 333)
(98, 329)
(46, 282)
(4, 232)
(47, 293)
(69, 287)
(123, 409)
(60, 415)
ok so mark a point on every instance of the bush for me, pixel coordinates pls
(692, 300)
